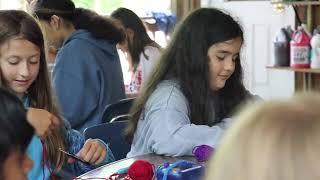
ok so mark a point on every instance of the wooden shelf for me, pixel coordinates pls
(308, 12)
(298, 3)
(306, 70)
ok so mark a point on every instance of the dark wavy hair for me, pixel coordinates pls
(19, 24)
(100, 27)
(140, 38)
(186, 60)
(15, 131)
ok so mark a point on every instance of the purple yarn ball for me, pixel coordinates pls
(202, 152)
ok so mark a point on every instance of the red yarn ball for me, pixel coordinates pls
(141, 170)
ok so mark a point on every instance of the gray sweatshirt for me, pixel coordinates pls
(165, 128)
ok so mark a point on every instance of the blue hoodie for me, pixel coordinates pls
(87, 77)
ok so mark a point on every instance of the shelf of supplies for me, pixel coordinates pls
(298, 3)
(306, 70)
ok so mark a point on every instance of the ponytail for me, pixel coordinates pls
(101, 27)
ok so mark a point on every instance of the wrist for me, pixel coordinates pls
(29, 117)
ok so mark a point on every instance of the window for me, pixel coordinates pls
(12, 4)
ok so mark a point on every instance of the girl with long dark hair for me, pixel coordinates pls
(194, 88)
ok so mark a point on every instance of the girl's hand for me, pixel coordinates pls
(42, 121)
(93, 152)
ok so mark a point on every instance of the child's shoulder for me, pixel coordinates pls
(167, 95)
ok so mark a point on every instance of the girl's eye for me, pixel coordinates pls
(221, 58)
(34, 60)
(13, 61)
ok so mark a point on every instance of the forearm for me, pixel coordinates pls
(177, 136)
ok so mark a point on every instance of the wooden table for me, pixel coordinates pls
(108, 169)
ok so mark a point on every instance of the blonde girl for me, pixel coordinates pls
(277, 140)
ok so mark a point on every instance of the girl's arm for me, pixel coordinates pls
(166, 128)
(170, 133)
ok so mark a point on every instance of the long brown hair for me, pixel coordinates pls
(186, 60)
(18, 24)
(277, 140)
(140, 39)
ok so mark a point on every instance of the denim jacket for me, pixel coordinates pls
(74, 141)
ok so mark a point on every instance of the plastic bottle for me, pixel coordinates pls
(300, 49)
(282, 48)
(315, 49)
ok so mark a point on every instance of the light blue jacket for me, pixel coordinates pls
(165, 127)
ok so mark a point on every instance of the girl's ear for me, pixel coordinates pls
(55, 22)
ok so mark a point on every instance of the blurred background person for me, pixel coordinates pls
(87, 74)
(141, 52)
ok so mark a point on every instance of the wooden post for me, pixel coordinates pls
(310, 18)
(183, 7)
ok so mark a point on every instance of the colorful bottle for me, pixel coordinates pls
(300, 49)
